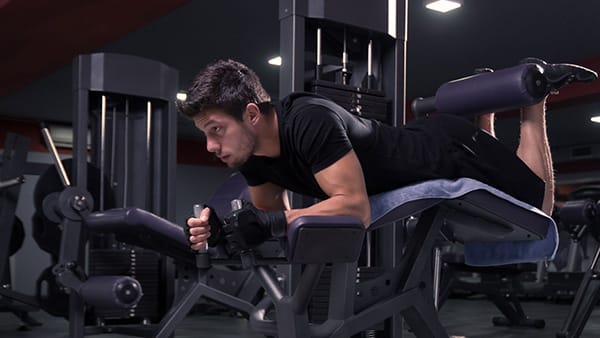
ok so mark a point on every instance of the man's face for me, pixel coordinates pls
(228, 138)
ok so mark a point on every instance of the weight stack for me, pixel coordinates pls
(365, 103)
(143, 265)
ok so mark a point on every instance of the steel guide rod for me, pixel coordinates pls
(370, 58)
(345, 62)
(148, 154)
(319, 56)
(126, 154)
(319, 60)
(113, 146)
(102, 150)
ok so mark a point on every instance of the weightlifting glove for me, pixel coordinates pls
(249, 227)
(216, 228)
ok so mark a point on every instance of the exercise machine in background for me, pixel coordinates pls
(126, 104)
(12, 233)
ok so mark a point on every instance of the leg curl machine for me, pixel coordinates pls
(124, 112)
(540, 79)
(494, 228)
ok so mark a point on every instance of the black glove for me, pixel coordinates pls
(216, 228)
(249, 227)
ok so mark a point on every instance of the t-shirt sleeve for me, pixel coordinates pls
(320, 137)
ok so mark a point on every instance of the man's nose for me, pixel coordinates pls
(212, 146)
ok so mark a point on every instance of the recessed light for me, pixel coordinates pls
(276, 61)
(181, 96)
(443, 5)
(595, 119)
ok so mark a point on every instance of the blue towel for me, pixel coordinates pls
(406, 201)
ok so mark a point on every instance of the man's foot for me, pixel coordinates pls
(559, 75)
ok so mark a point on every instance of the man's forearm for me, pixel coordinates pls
(335, 206)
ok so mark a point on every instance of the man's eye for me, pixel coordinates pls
(216, 129)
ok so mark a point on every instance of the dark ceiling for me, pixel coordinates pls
(38, 40)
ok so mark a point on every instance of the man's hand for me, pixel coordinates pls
(249, 227)
(207, 228)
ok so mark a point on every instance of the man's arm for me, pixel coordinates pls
(269, 196)
(344, 183)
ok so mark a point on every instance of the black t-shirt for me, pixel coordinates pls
(315, 132)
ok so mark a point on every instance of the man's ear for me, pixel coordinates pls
(252, 113)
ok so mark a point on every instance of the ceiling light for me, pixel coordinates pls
(443, 5)
(595, 119)
(276, 61)
(181, 96)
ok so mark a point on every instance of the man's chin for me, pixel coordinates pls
(235, 165)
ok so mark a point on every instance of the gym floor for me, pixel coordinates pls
(469, 318)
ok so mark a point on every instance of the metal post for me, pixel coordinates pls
(113, 147)
(370, 77)
(345, 61)
(64, 178)
(292, 24)
(149, 181)
(102, 150)
(319, 56)
(437, 274)
(80, 125)
(573, 261)
(398, 10)
(126, 154)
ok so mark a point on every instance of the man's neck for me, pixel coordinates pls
(268, 137)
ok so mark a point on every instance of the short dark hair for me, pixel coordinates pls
(226, 84)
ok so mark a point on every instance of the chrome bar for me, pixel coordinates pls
(370, 58)
(102, 150)
(126, 154)
(344, 55)
(57, 162)
(437, 275)
(149, 189)
(113, 148)
(319, 60)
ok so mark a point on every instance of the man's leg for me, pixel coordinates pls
(534, 149)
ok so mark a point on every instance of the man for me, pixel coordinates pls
(310, 145)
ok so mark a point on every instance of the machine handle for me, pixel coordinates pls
(197, 213)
